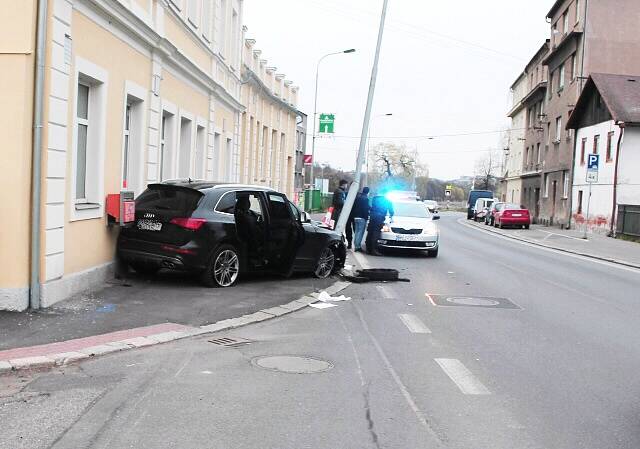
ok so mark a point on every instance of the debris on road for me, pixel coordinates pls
(326, 297)
(322, 305)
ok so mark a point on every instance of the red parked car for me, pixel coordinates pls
(512, 215)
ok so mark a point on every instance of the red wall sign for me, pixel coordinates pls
(308, 159)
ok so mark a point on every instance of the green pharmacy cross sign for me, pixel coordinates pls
(326, 123)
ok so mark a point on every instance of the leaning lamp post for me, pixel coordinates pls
(315, 110)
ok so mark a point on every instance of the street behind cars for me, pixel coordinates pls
(223, 231)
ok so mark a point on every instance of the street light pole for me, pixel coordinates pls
(315, 108)
(355, 186)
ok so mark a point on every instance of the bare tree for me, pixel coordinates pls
(396, 161)
(487, 170)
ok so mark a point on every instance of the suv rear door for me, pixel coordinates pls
(164, 213)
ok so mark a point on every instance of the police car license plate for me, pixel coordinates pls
(149, 225)
(409, 237)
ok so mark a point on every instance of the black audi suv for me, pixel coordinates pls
(224, 231)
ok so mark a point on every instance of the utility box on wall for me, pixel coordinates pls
(121, 208)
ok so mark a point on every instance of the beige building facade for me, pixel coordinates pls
(268, 123)
(135, 92)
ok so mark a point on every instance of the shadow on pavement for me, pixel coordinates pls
(146, 300)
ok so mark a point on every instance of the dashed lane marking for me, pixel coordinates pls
(462, 377)
(413, 323)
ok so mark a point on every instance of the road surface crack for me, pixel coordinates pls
(367, 408)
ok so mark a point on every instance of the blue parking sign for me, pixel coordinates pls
(593, 162)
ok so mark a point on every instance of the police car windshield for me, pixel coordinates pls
(410, 209)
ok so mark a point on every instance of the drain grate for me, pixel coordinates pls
(228, 342)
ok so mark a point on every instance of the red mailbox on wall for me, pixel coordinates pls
(121, 208)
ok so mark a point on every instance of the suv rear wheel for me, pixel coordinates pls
(223, 269)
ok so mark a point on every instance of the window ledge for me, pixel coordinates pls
(87, 206)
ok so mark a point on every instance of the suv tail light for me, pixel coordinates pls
(192, 224)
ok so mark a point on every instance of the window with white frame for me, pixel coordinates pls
(184, 154)
(222, 26)
(561, 78)
(132, 141)
(565, 22)
(167, 145)
(193, 13)
(558, 129)
(126, 145)
(200, 168)
(206, 20)
(82, 136)
(577, 11)
(87, 179)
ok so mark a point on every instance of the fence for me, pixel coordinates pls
(628, 222)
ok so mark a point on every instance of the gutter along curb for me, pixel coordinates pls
(38, 357)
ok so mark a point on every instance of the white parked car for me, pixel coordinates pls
(481, 208)
(412, 227)
(433, 206)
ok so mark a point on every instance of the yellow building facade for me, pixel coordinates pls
(135, 92)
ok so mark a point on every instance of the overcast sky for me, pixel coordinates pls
(445, 68)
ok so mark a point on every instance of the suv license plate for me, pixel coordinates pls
(149, 225)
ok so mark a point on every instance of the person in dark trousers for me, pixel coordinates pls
(360, 215)
(380, 208)
(337, 202)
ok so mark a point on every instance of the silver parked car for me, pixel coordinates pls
(412, 227)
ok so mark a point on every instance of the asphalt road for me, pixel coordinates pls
(550, 360)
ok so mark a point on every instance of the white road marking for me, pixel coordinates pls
(413, 323)
(396, 378)
(385, 292)
(553, 250)
(362, 260)
(462, 377)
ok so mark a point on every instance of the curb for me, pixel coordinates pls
(577, 253)
(66, 358)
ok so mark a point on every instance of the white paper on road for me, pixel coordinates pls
(326, 297)
(322, 305)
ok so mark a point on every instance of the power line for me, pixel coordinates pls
(430, 136)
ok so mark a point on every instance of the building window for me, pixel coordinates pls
(577, 11)
(596, 144)
(539, 153)
(127, 143)
(546, 185)
(89, 128)
(583, 150)
(558, 129)
(565, 184)
(184, 159)
(193, 13)
(167, 144)
(565, 22)
(82, 120)
(574, 67)
(551, 85)
(200, 170)
(609, 146)
(561, 78)
(206, 20)
(580, 202)
(222, 27)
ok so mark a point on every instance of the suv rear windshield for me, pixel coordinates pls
(172, 198)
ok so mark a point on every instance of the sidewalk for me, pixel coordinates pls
(596, 246)
(140, 312)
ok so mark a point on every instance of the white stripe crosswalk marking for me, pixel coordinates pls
(462, 377)
(414, 324)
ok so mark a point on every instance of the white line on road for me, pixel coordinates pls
(403, 389)
(362, 260)
(462, 377)
(413, 323)
(385, 292)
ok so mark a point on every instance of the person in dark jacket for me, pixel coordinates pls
(337, 202)
(380, 208)
(360, 215)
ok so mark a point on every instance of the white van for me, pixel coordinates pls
(481, 207)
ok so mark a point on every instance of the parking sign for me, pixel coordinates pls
(593, 163)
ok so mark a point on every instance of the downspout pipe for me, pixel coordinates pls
(614, 208)
(36, 157)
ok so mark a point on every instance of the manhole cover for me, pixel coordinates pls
(469, 301)
(292, 364)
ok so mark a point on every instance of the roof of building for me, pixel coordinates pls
(620, 93)
(554, 8)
